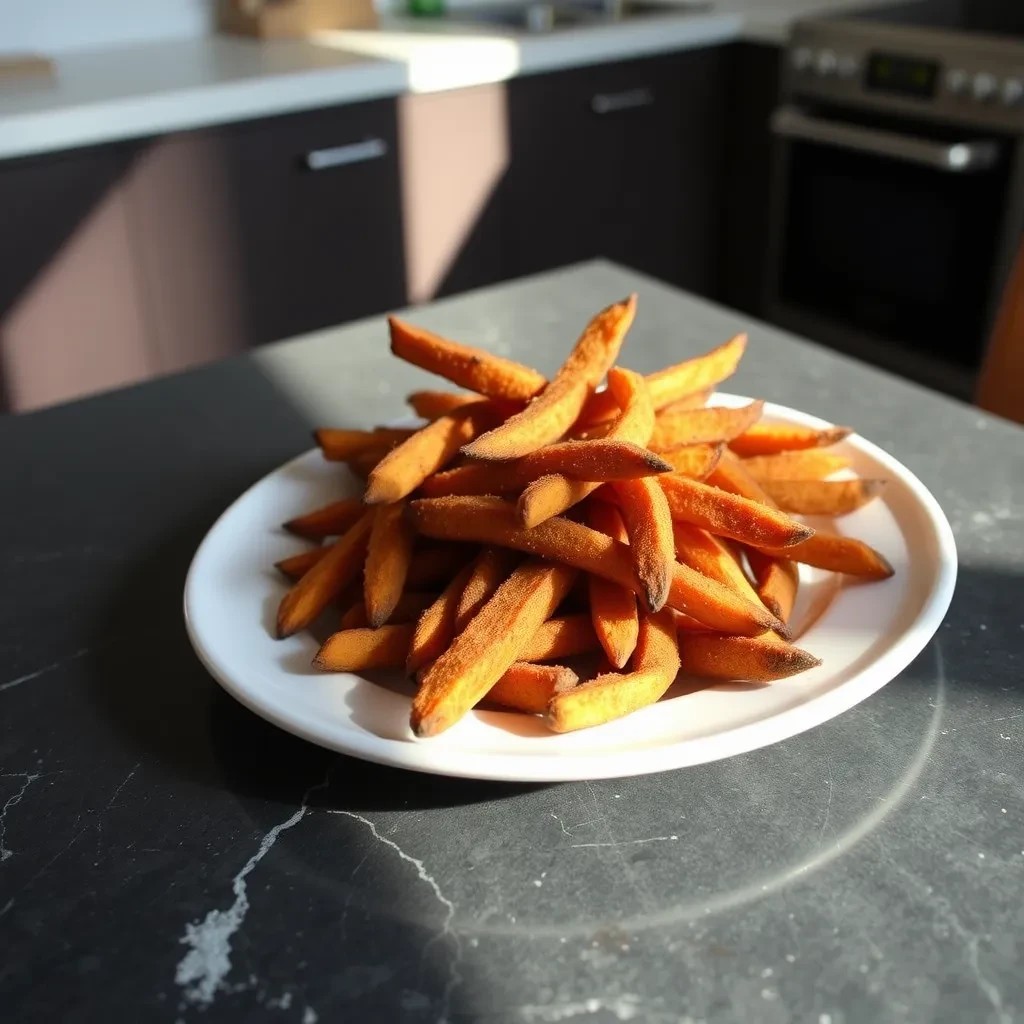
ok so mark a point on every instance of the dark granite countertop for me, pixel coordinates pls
(167, 856)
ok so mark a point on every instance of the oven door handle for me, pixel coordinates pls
(955, 157)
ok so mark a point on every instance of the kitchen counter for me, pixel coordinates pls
(135, 91)
(165, 855)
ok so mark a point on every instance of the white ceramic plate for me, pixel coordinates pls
(865, 634)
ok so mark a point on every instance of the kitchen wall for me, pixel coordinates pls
(56, 26)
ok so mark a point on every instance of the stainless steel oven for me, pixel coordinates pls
(898, 192)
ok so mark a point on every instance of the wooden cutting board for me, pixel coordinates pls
(16, 67)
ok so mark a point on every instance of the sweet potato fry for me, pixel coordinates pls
(405, 467)
(528, 688)
(431, 405)
(437, 564)
(552, 494)
(648, 520)
(485, 649)
(694, 460)
(822, 497)
(435, 628)
(325, 580)
(613, 610)
(469, 367)
(341, 445)
(759, 659)
(695, 401)
(493, 521)
(806, 464)
(556, 408)
(728, 515)
(771, 438)
(680, 382)
(655, 664)
(296, 566)
(712, 557)
(356, 650)
(599, 460)
(561, 637)
(387, 561)
(410, 606)
(776, 581)
(702, 426)
(838, 554)
(731, 475)
(328, 521)
(491, 568)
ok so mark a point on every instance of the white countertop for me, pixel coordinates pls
(134, 91)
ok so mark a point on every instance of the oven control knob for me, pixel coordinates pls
(826, 63)
(984, 86)
(956, 81)
(848, 66)
(802, 58)
(1013, 91)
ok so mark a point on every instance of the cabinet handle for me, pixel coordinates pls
(339, 156)
(628, 99)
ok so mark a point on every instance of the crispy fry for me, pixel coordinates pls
(694, 460)
(598, 460)
(679, 382)
(731, 475)
(325, 580)
(776, 580)
(553, 412)
(489, 644)
(759, 659)
(654, 668)
(491, 568)
(550, 495)
(296, 566)
(469, 367)
(648, 522)
(435, 628)
(528, 688)
(613, 610)
(562, 637)
(410, 606)
(341, 445)
(493, 521)
(356, 650)
(728, 515)
(431, 405)
(838, 554)
(436, 564)
(695, 401)
(387, 561)
(771, 438)
(327, 521)
(702, 426)
(404, 468)
(806, 464)
(711, 556)
(822, 497)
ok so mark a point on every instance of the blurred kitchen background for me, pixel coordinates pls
(181, 180)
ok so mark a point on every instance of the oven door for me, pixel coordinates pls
(886, 240)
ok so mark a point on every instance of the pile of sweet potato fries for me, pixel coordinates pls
(532, 521)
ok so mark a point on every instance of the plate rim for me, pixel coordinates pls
(581, 765)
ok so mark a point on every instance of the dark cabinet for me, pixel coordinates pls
(622, 161)
(72, 310)
(318, 207)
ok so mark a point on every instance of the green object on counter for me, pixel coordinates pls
(426, 8)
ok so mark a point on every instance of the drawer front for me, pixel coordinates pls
(319, 218)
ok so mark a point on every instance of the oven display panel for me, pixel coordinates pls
(905, 76)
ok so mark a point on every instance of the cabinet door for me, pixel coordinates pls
(319, 218)
(620, 160)
(71, 313)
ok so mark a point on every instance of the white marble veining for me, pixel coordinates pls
(123, 92)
